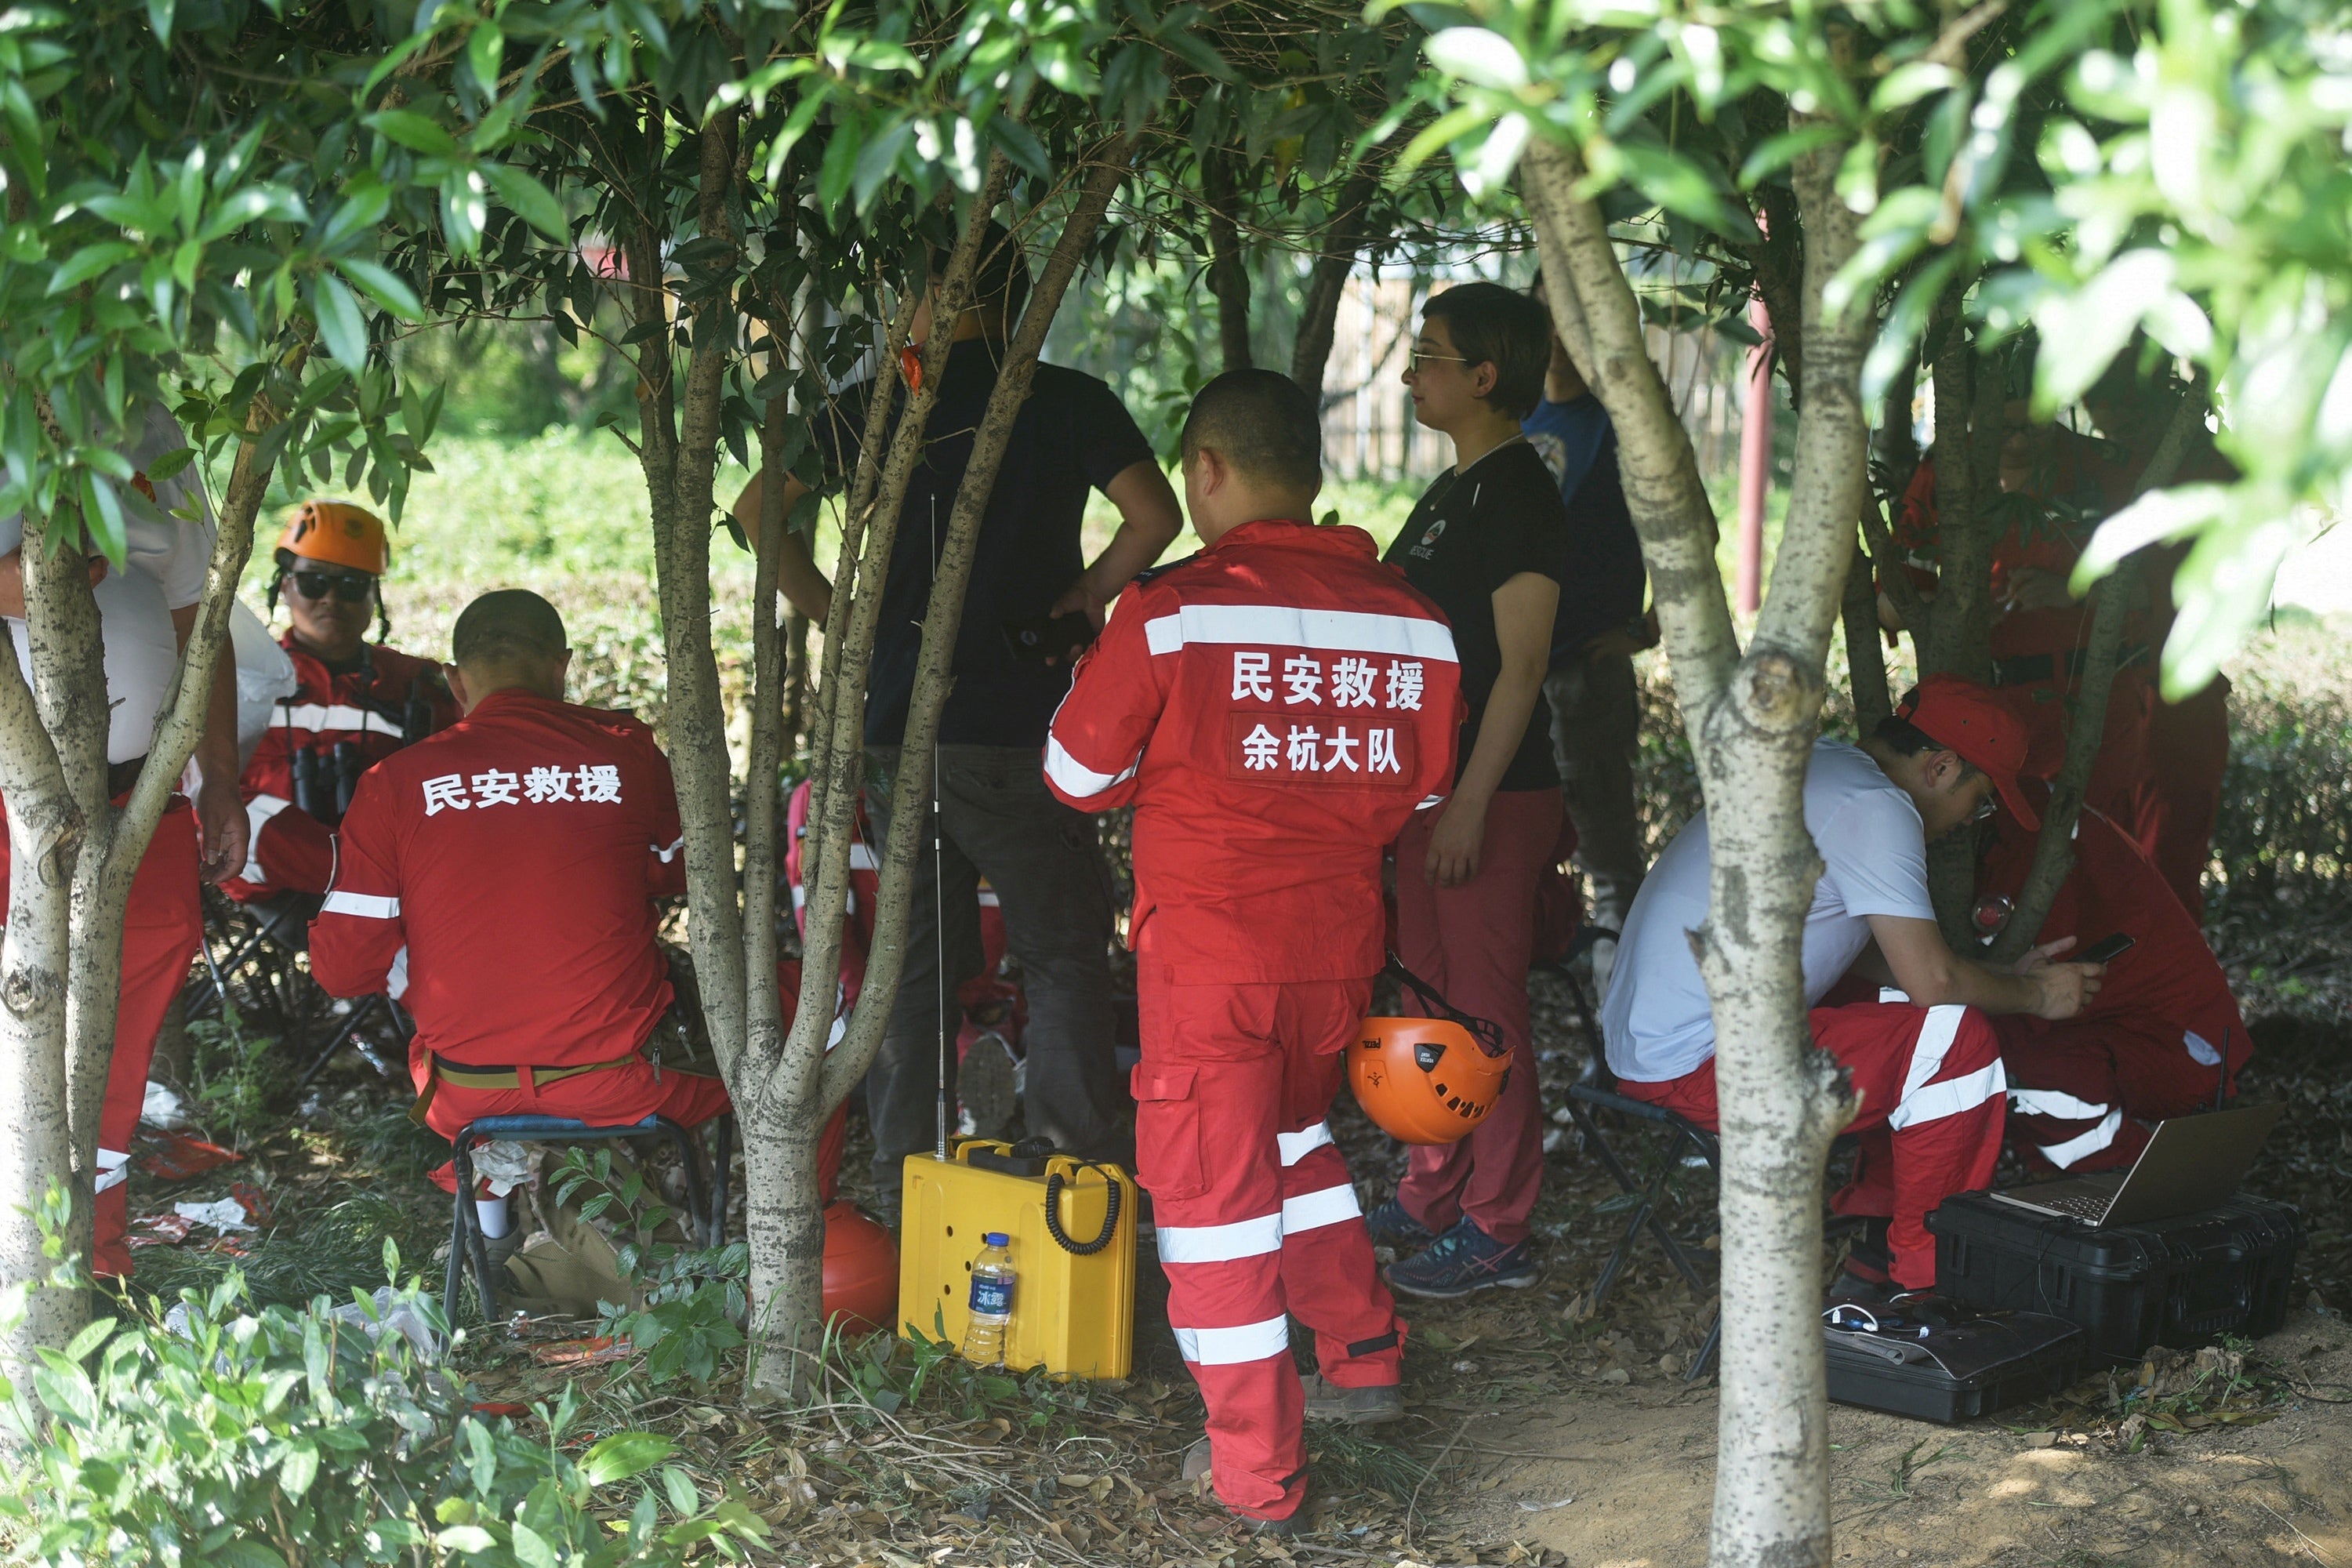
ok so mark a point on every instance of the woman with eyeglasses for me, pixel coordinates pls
(1489, 543)
(354, 702)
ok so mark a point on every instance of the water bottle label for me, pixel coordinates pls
(990, 1298)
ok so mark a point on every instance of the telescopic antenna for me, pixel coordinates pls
(939, 883)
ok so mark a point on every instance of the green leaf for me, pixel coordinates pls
(1476, 56)
(530, 1548)
(383, 286)
(92, 1334)
(683, 1497)
(87, 263)
(67, 1391)
(243, 1553)
(415, 131)
(1907, 84)
(529, 199)
(465, 1538)
(1777, 153)
(340, 325)
(159, 16)
(298, 1469)
(486, 51)
(623, 1455)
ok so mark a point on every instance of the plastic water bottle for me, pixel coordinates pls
(991, 1301)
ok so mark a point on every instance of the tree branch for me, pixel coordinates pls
(1228, 272)
(2054, 850)
(1318, 312)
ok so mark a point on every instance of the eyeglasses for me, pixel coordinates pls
(350, 587)
(1985, 808)
(1415, 358)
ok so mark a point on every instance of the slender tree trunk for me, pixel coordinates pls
(1229, 279)
(778, 1098)
(1752, 723)
(1865, 664)
(1318, 313)
(2054, 850)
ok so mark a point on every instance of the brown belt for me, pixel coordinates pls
(462, 1075)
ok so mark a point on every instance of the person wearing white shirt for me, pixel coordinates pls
(146, 614)
(1922, 1056)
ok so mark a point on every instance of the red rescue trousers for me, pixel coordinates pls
(2188, 749)
(1930, 1123)
(161, 930)
(1474, 943)
(1258, 1221)
(2082, 1092)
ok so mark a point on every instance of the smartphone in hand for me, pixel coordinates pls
(2106, 950)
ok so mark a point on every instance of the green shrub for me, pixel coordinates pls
(303, 1439)
(694, 1298)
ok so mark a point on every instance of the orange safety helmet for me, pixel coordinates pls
(339, 533)
(861, 1270)
(1424, 1080)
(1428, 1081)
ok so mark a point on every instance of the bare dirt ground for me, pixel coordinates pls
(2027, 1486)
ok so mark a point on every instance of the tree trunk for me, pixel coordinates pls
(1865, 664)
(1752, 723)
(2054, 850)
(778, 1097)
(1228, 273)
(1319, 312)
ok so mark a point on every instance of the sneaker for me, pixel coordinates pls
(984, 1083)
(1391, 1227)
(1463, 1260)
(1353, 1407)
(1196, 1471)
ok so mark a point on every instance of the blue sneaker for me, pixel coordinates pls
(1463, 1260)
(1391, 1227)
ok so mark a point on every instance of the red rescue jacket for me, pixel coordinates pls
(503, 873)
(390, 700)
(1276, 707)
(2168, 986)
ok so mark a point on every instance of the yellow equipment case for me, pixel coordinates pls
(1073, 1295)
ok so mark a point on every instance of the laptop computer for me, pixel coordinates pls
(2190, 1162)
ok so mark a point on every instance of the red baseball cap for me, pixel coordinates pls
(1974, 721)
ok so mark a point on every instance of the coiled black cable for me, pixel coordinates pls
(1053, 1185)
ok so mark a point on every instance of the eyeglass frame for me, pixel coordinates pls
(330, 583)
(1413, 358)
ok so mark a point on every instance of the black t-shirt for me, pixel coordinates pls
(1473, 532)
(1072, 434)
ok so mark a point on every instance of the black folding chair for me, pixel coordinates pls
(254, 957)
(468, 1247)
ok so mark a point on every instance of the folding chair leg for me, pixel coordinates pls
(469, 1229)
(1647, 1212)
(1618, 1254)
(359, 1015)
(1705, 1357)
(698, 1207)
(451, 1281)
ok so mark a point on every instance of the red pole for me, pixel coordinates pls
(1755, 461)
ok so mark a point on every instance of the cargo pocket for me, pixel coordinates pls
(1168, 1132)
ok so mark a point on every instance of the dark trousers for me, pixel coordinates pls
(999, 821)
(1596, 736)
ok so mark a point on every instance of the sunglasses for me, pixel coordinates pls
(350, 587)
(1415, 358)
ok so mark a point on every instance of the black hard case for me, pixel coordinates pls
(1969, 1369)
(2177, 1282)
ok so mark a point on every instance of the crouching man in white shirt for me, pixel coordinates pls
(1922, 1056)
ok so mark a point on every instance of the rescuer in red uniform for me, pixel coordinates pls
(504, 870)
(2082, 1091)
(146, 614)
(1274, 708)
(354, 703)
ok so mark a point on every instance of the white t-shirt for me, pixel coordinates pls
(1656, 1018)
(165, 571)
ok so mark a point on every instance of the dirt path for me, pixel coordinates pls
(1638, 1460)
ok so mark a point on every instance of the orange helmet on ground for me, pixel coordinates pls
(339, 533)
(1424, 1080)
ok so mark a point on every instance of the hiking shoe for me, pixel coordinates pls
(1353, 1407)
(1391, 1227)
(1196, 1470)
(1463, 1260)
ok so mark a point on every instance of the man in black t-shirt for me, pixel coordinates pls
(997, 818)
